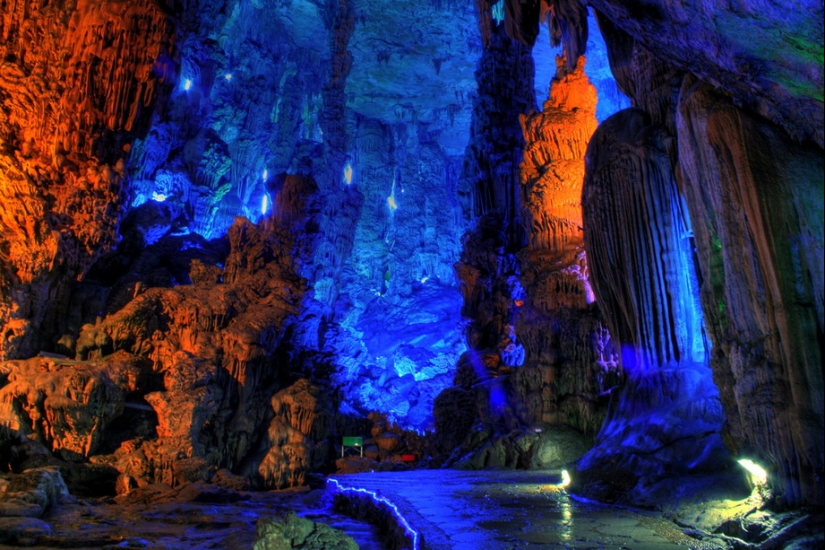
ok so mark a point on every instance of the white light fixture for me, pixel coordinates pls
(565, 479)
(758, 474)
(187, 84)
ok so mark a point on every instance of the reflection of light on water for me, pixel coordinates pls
(566, 527)
(564, 506)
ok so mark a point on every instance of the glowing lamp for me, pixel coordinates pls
(228, 76)
(565, 479)
(348, 173)
(265, 175)
(187, 84)
(158, 197)
(424, 280)
(758, 474)
(264, 204)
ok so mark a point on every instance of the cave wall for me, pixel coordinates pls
(666, 421)
(759, 196)
(724, 94)
(78, 82)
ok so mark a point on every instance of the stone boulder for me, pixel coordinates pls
(558, 446)
(32, 493)
(297, 532)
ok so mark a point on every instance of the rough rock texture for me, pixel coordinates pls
(757, 191)
(174, 383)
(539, 356)
(66, 404)
(552, 172)
(188, 112)
(296, 442)
(297, 532)
(667, 419)
(767, 56)
(62, 171)
(652, 84)
(569, 365)
(32, 493)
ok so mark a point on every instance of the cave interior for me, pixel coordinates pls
(581, 238)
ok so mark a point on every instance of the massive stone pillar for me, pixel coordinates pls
(666, 422)
(758, 200)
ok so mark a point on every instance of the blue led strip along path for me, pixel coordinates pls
(382, 500)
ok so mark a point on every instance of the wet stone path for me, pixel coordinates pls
(506, 510)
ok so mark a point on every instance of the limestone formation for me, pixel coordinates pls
(78, 82)
(667, 419)
(761, 193)
(552, 172)
(296, 442)
(205, 204)
(65, 404)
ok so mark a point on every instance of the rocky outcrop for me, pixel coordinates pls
(540, 356)
(767, 56)
(32, 493)
(760, 252)
(552, 172)
(65, 404)
(569, 367)
(174, 384)
(296, 441)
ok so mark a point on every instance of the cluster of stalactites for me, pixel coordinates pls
(638, 241)
(566, 20)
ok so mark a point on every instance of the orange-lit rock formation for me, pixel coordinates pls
(77, 83)
(542, 356)
(552, 172)
(295, 444)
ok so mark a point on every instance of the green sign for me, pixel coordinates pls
(353, 441)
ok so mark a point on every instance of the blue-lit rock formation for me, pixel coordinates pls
(541, 364)
(262, 92)
(732, 159)
(390, 312)
(666, 422)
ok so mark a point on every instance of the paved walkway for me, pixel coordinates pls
(506, 510)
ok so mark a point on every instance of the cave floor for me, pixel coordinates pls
(492, 510)
(191, 517)
(451, 509)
